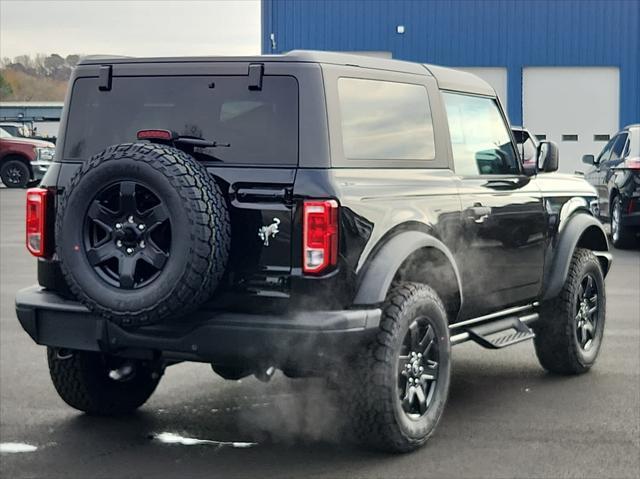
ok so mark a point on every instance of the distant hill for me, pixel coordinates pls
(39, 78)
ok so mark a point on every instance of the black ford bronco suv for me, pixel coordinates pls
(320, 213)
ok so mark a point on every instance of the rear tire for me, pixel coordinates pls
(570, 331)
(621, 236)
(15, 174)
(82, 380)
(386, 406)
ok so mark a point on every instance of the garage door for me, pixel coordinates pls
(577, 107)
(494, 76)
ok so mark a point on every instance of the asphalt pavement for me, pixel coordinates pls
(506, 417)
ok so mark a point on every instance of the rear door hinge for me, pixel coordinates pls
(104, 80)
(256, 72)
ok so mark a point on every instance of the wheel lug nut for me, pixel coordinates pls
(118, 226)
(129, 250)
(141, 227)
(130, 219)
(142, 244)
(419, 355)
(119, 244)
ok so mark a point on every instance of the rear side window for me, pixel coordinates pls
(618, 148)
(479, 137)
(260, 125)
(384, 120)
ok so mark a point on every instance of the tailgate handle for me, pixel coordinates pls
(261, 194)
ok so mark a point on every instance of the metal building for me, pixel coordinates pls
(567, 69)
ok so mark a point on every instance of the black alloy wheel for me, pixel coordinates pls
(570, 330)
(418, 368)
(587, 312)
(397, 388)
(15, 174)
(127, 234)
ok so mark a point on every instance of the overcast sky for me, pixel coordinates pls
(137, 28)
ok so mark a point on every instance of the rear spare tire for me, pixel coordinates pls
(142, 233)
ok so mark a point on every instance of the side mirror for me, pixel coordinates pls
(589, 159)
(548, 156)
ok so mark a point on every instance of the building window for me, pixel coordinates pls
(601, 137)
(479, 137)
(384, 120)
(541, 137)
(569, 137)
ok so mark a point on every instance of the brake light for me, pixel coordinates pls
(320, 236)
(155, 135)
(36, 221)
(633, 163)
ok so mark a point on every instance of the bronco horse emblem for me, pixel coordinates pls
(265, 232)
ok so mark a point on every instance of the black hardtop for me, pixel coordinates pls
(295, 56)
(447, 78)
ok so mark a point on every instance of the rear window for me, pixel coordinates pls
(260, 125)
(384, 120)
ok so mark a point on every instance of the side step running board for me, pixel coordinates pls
(515, 330)
(485, 334)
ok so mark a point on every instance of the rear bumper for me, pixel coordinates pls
(315, 337)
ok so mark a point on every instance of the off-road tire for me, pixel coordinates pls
(622, 236)
(199, 216)
(375, 410)
(21, 168)
(556, 343)
(82, 380)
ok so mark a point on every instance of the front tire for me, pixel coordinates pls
(400, 384)
(571, 327)
(82, 379)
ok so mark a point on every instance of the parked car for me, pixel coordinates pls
(615, 173)
(23, 160)
(325, 214)
(19, 130)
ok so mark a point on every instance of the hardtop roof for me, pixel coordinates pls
(447, 78)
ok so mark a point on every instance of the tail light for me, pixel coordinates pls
(36, 221)
(320, 236)
(633, 163)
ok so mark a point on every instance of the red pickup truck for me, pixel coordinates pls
(23, 160)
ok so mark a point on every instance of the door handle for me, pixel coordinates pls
(478, 214)
(505, 183)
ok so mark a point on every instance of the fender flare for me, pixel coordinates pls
(567, 243)
(380, 271)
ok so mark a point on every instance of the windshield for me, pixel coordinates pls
(260, 125)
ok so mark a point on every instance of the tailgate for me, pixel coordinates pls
(261, 228)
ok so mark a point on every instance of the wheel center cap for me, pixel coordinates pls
(129, 235)
(415, 367)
